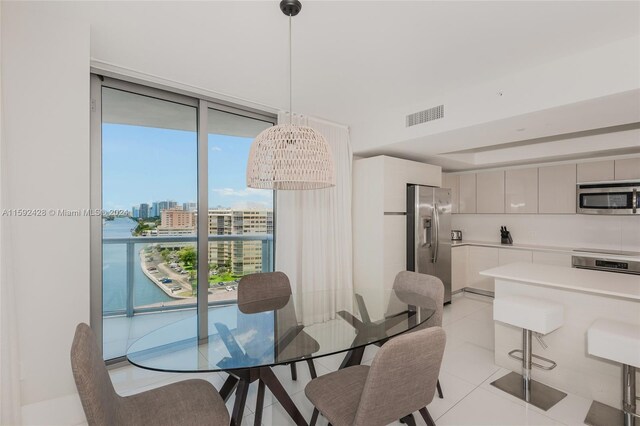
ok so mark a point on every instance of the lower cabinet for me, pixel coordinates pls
(468, 261)
(459, 256)
(481, 258)
(506, 256)
(549, 258)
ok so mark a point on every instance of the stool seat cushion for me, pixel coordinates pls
(615, 340)
(529, 313)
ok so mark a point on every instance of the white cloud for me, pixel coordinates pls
(216, 148)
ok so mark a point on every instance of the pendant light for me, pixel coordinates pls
(288, 156)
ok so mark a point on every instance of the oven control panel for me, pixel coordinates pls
(603, 264)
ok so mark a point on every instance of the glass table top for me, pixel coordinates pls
(270, 333)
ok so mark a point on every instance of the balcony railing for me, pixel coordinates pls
(131, 259)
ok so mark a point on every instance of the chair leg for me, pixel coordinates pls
(427, 417)
(314, 417)
(294, 371)
(440, 394)
(312, 369)
(408, 420)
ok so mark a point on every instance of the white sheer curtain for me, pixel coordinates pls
(313, 233)
(9, 378)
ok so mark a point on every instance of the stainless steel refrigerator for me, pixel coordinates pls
(429, 233)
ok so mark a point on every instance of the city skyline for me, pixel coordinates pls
(181, 206)
(142, 165)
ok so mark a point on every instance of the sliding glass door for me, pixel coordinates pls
(235, 210)
(149, 177)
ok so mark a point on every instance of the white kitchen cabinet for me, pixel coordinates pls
(627, 168)
(595, 171)
(551, 258)
(557, 189)
(459, 261)
(467, 194)
(506, 256)
(480, 259)
(379, 225)
(490, 192)
(468, 261)
(521, 191)
(452, 182)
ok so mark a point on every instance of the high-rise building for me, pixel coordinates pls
(144, 210)
(176, 222)
(190, 206)
(135, 212)
(165, 205)
(155, 211)
(244, 257)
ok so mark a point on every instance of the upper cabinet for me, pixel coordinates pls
(628, 168)
(490, 192)
(452, 182)
(546, 189)
(595, 171)
(557, 189)
(467, 193)
(521, 191)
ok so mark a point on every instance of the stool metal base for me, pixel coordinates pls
(603, 415)
(542, 396)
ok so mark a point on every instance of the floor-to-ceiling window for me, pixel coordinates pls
(159, 160)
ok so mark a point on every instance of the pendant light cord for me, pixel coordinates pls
(290, 77)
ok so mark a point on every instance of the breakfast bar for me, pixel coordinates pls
(586, 296)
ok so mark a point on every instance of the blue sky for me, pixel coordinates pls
(144, 164)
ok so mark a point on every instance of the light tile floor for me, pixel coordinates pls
(467, 370)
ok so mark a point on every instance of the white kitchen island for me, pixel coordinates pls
(586, 296)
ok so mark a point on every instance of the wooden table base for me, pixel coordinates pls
(240, 381)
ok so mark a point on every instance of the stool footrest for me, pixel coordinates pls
(552, 365)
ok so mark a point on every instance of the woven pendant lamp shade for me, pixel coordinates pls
(289, 157)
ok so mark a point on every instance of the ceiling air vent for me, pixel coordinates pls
(425, 116)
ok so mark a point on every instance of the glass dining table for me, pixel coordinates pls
(247, 340)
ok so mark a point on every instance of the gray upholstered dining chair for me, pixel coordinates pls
(401, 380)
(432, 289)
(261, 288)
(189, 402)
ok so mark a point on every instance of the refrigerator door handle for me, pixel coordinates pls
(436, 226)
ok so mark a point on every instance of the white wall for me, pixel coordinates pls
(564, 230)
(45, 162)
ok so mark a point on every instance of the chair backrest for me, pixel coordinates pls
(402, 378)
(265, 292)
(425, 285)
(263, 286)
(99, 399)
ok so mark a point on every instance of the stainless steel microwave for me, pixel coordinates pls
(608, 197)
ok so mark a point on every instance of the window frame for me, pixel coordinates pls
(202, 103)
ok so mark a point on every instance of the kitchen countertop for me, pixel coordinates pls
(553, 249)
(609, 284)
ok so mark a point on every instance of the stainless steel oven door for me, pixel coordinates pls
(596, 199)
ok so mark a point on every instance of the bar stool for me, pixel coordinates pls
(532, 315)
(620, 342)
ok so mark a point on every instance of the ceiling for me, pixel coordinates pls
(354, 59)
